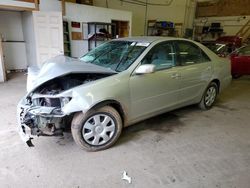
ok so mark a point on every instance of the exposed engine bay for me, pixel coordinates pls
(43, 113)
(66, 82)
(61, 84)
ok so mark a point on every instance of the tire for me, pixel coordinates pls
(98, 129)
(206, 103)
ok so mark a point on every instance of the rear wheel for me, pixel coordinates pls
(209, 96)
(98, 129)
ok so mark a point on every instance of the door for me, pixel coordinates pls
(154, 92)
(121, 28)
(195, 70)
(2, 66)
(48, 35)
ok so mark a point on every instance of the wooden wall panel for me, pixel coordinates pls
(223, 8)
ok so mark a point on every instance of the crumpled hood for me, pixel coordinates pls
(59, 66)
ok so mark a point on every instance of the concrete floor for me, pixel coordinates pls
(187, 148)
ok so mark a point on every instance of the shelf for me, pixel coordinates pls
(160, 28)
(66, 39)
(13, 41)
(97, 39)
(154, 27)
(99, 32)
(99, 23)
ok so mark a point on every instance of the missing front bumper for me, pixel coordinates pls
(39, 121)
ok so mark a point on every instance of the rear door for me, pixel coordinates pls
(48, 35)
(195, 70)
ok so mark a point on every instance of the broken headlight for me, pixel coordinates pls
(65, 100)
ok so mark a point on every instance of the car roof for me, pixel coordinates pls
(148, 39)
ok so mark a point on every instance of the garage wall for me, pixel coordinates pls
(85, 13)
(50, 5)
(11, 26)
(180, 11)
(223, 8)
(29, 37)
(230, 24)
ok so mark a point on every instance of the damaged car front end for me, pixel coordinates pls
(48, 107)
(40, 120)
(64, 95)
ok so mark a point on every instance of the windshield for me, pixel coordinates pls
(115, 55)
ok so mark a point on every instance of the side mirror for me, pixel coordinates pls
(145, 69)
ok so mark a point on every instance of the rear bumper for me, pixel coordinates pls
(225, 82)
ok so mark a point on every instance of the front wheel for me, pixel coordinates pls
(97, 129)
(209, 96)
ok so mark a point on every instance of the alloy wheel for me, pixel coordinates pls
(210, 96)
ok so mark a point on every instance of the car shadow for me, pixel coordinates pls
(166, 123)
(162, 124)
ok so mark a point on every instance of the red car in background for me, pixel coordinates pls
(225, 45)
(240, 61)
(233, 41)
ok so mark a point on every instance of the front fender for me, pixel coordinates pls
(83, 98)
(76, 104)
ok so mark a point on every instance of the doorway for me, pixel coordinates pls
(122, 28)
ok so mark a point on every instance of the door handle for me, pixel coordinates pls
(175, 76)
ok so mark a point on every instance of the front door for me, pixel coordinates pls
(48, 29)
(154, 92)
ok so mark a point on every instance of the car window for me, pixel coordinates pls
(245, 51)
(188, 53)
(131, 55)
(115, 55)
(161, 55)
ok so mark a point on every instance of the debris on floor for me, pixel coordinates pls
(126, 177)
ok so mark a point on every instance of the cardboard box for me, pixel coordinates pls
(76, 35)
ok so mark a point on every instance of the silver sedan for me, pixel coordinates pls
(119, 83)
